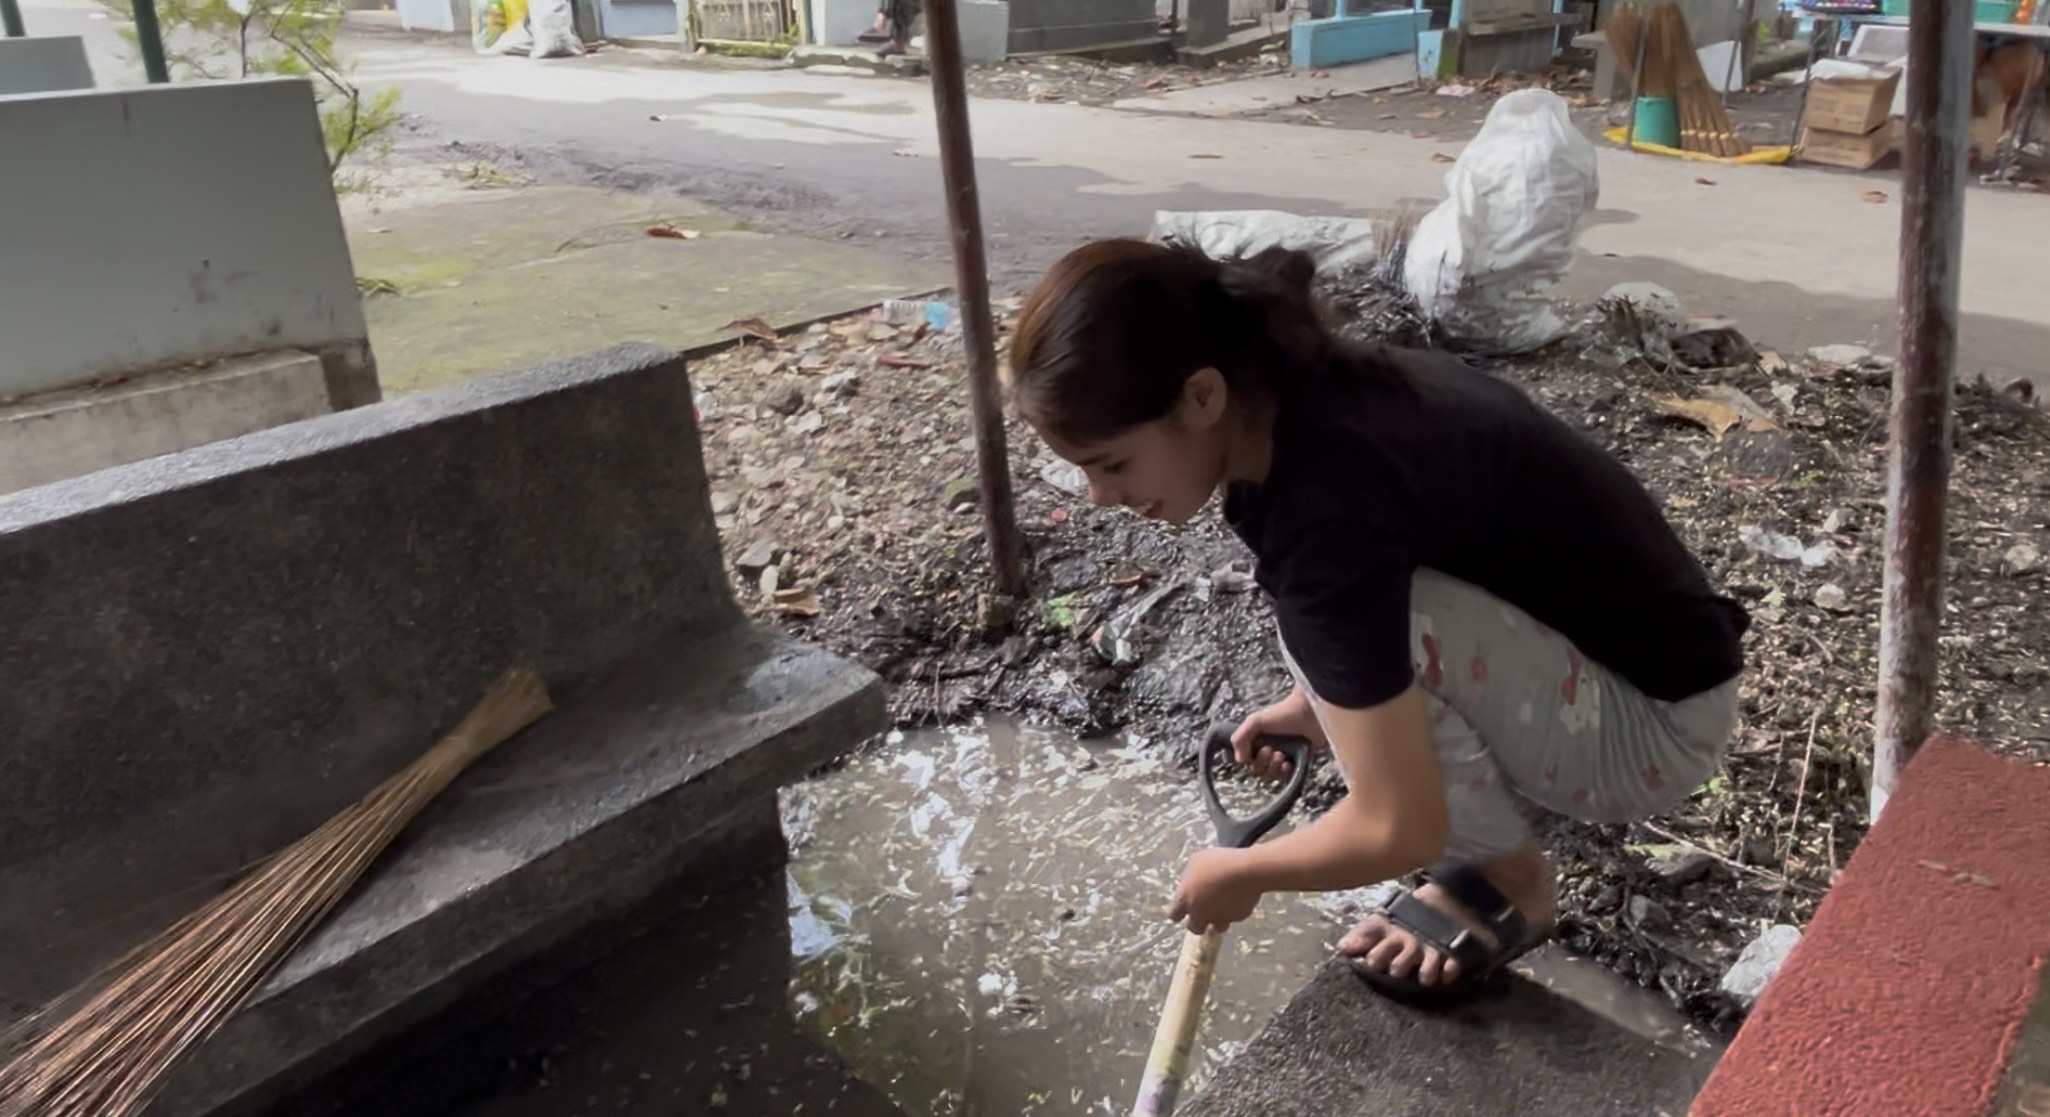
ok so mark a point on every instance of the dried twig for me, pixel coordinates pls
(1801, 789)
(1749, 870)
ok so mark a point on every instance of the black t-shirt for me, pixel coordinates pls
(1462, 473)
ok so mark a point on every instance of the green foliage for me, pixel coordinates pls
(225, 40)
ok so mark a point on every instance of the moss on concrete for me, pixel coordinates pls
(507, 278)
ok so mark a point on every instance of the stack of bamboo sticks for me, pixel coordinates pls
(1655, 49)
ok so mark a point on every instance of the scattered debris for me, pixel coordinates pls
(1714, 343)
(1759, 962)
(1840, 356)
(1785, 547)
(785, 397)
(753, 327)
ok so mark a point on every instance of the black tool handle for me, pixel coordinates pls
(1238, 833)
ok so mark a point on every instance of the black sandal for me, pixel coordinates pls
(1478, 961)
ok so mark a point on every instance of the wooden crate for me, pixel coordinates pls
(1846, 149)
(1849, 105)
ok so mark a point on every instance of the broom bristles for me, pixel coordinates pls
(118, 1036)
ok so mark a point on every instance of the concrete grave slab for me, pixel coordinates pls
(213, 651)
(75, 431)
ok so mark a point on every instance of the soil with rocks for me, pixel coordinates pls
(845, 484)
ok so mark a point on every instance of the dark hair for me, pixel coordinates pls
(1116, 328)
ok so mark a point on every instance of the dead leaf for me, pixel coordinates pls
(1754, 417)
(1434, 114)
(898, 360)
(1876, 197)
(1771, 363)
(1704, 182)
(797, 602)
(1159, 83)
(1441, 157)
(905, 153)
(1131, 581)
(754, 327)
(1320, 73)
(671, 232)
(1206, 155)
(1716, 416)
(1377, 99)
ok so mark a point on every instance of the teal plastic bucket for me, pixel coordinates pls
(1658, 121)
(1894, 7)
(1995, 11)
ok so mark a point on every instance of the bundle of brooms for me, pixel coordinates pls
(105, 1049)
(1656, 52)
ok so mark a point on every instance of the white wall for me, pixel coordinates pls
(168, 224)
(44, 64)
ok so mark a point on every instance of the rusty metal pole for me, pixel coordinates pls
(1918, 446)
(971, 270)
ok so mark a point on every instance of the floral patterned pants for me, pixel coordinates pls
(1517, 712)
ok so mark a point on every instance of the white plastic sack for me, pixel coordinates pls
(1484, 262)
(1334, 242)
(516, 40)
(555, 29)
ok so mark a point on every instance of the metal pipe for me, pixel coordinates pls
(10, 19)
(971, 270)
(1918, 447)
(149, 38)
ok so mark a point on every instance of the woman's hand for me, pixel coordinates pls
(1215, 891)
(1290, 717)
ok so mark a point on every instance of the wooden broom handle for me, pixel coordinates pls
(1175, 1039)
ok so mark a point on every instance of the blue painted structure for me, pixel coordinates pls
(1344, 38)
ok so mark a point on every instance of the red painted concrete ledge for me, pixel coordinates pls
(1909, 992)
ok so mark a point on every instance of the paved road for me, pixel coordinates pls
(1798, 256)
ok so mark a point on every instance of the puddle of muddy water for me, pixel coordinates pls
(977, 919)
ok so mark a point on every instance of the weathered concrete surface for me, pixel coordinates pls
(695, 1011)
(1339, 1048)
(210, 652)
(179, 223)
(43, 64)
(64, 434)
(495, 277)
(1270, 91)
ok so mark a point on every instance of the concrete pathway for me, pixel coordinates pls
(1269, 91)
(1800, 257)
(490, 278)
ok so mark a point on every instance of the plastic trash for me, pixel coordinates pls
(1333, 242)
(554, 28)
(1483, 264)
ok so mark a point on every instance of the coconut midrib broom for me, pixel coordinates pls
(117, 1037)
